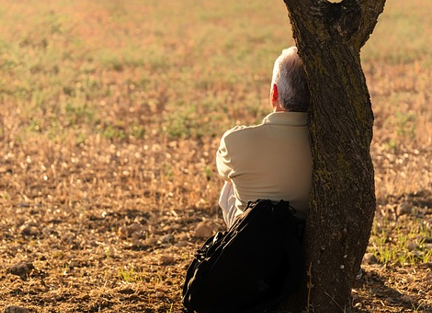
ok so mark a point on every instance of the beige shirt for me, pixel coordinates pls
(268, 161)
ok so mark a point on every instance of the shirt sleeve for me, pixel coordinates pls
(223, 161)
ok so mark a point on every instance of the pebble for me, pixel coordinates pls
(135, 228)
(137, 243)
(166, 259)
(47, 231)
(183, 236)
(403, 209)
(167, 239)
(139, 235)
(203, 230)
(15, 309)
(182, 244)
(21, 269)
(412, 246)
(28, 230)
(407, 299)
(151, 241)
(369, 258)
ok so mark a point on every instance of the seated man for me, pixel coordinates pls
(271, 160)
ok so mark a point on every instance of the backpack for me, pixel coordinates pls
(252, 267)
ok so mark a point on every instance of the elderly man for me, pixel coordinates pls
(271, 160)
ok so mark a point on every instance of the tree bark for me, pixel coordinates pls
(329, 37)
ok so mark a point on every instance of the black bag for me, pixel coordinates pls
(251, 267)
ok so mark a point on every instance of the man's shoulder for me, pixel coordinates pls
(239, 131)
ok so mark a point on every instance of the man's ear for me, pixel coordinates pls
(274, 93)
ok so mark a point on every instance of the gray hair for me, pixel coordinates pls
(290, 78)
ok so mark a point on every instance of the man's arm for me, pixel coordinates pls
(223, 161)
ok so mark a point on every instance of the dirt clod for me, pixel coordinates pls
(135, 228)
(167, 239)
(403, 209)
(21, 269)
(370, 258)
(15, 309)
(166, 259)
(29, 230)
(412, 246)
(203, 230)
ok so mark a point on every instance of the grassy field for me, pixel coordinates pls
(110, 117)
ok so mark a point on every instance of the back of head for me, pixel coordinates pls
(290, 78)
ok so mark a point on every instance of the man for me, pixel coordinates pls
(271, 160)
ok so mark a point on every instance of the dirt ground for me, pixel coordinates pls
(130, 259)
(88, 228)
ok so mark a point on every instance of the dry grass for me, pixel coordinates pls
(111, 116)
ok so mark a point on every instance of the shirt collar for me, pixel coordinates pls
(286, 118)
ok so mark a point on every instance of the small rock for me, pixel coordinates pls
(403, 209)
(151, 241)
(21, 269)
(183, 236)
(166, 259)
(48, 231)
(29, 230)
(203, 230)
(406, 299)
(15, 309)
(137, 243)
(135, 228)
(412, 246)
(138, 231)
(167, 239)
(182, 244)
(369, 258)
(20, 221)
(139, 235)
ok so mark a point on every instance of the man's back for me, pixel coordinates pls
(269, 161)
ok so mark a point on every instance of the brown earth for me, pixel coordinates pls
(130, 253)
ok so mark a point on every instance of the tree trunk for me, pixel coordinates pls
(329, 37)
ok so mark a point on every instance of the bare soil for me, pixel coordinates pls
(129, 257)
